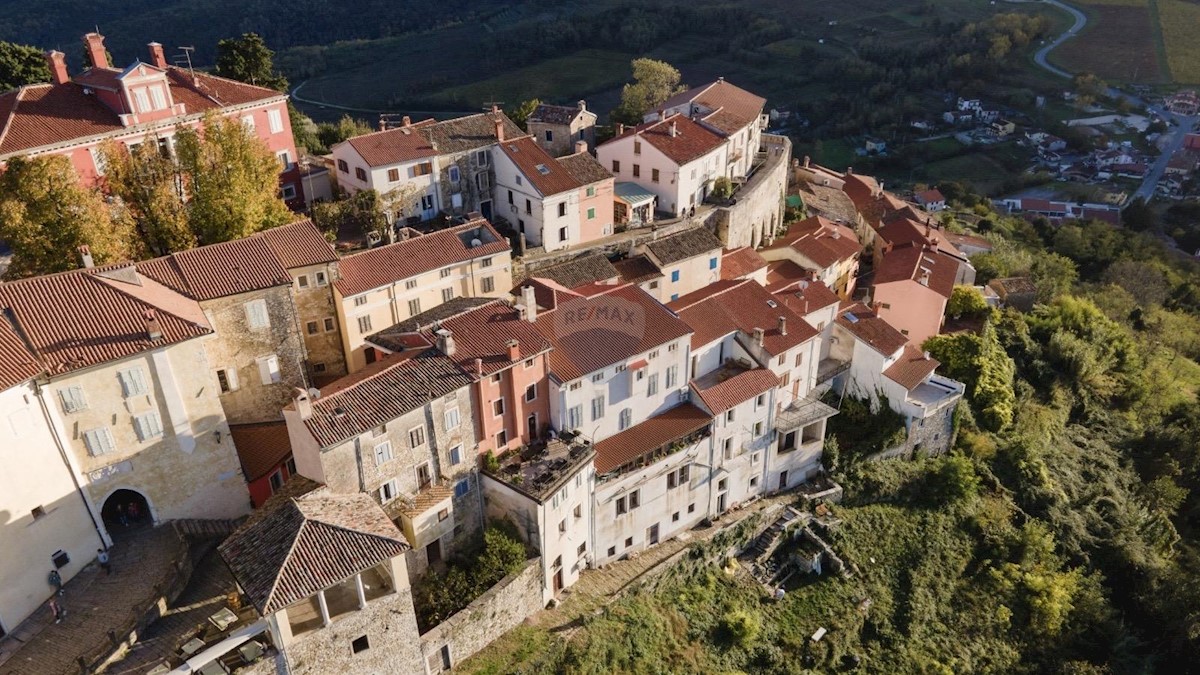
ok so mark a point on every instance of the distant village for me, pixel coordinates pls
(606, 345)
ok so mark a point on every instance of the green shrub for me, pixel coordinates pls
(741, 627)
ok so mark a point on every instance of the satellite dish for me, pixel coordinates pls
(314, 393)
(476, 242)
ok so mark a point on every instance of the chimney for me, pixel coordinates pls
(94, 43)
(499, 128)
(382, 124)
(620, 128)
(58, 66)
(157, 58)
(529, 299)
(674, 129)
(303, 403)
(760, 336)
(153, 327)
(924, 280)
(582, 106)
(406, 121)
(783, 325)
(85, 257)
(514, 350)
(478, 367)
(662, 114)
(927, 357)
(807, 161)
(580, 147)
(849, 171)
(445, 341)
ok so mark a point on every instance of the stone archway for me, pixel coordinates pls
(126, 510)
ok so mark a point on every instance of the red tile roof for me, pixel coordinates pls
(912, 368)
(929, 197)
(637, 269)
(806, 297)
(622, 448)
(404, 144)
(690, 142)
(916, 263)
(298, 545)
(900, 230)
(388, 264)
(725, 307)
(484, 333)
(867, 326)
(260, 447)
(220, 270)
(721, 104)
(740, 262)
(543, 172)
(607, 327)
(822, 241)
(784, 274)
(17, 363)
(737, 387)
(87, 317)
(299, 244)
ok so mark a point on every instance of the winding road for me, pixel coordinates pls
(1080, 22)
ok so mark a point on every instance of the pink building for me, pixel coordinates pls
(912, 286)
(145, 102)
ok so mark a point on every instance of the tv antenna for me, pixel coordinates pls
(184, 60)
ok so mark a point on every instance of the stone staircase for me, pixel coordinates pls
(206, 529)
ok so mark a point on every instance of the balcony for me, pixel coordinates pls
(540, 469)
(644, 444)
(803, 412)
(934, 394)
(830, 368)
(348, 596)
(414, 514)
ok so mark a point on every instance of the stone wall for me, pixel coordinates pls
(758, 208)
(390, 628)
(620, 243)
(316, 303)
(492, 614)
(929, 437)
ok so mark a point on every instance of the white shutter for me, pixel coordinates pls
(148, 425)
(133, 381)
(73, 399)
(383, 452)
(268, 369)
(98, 441)
(452, 418)
(231, 376)
(275, 120)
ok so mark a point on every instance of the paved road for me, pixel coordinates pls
(1174, 141)
(1080, 22)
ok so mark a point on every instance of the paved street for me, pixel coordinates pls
(1080, 22)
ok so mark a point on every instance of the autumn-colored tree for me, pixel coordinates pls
(232, 181)
(520, 114)
(46, 215)
(653, 83)
(148, 183)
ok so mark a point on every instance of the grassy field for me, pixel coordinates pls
(586, 71)
(1118, 43)
(1180, 22)
(980, 170)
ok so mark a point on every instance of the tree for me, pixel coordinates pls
(232, 179)
(361, 213)
(520, 114)
(46, 215)
(966, 301)
(954, 480)
(148, 184)
(1089, 88)
(21, 65)
(653, 83)
(1139, 217)
(980, 362)
(330, 134)
(248, 59)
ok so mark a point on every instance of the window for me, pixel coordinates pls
(575, 417)
(799, 359)
(147, 425)
(447, 294)
(520, 181)
(677, 478)
(453, 174)
(426, 202)
(760, 401)
(728, 448)
(597, 408)
(498, 407)
(653, 285)
(318, 367)
(359, 173)
(423, 476)
(133, 381)
(360, 301)
(729, 415)
(99, 441)
(268, 369)
(227, 379)
(758, 428)
(675, 517)
(343, 166)
(753, 482)
(482, 158)
(562, 526)
(456, 455)
(637, 147)
(754, 458)
(712, 263)
(549, 135)
(616, 166)
(626, 419)
(496, 378)
(528, 363)
(528, 206)
(443, 514)
(383, 453)
(142, 99)
(510, 197)
(364, 324)
(628, 542)
(256, 314)
(591, 213)
(633, 499)
(329, 325)
(654, 175)
(414, 306)
(562, 234)
(312, 327)
(691, 508)
(581, 550)
(416, 437)
(275, 121)
(445, 272)
(288, 191)
(672, 377)
(423, 169)
(360, 644)
(674, 297)
(673, 347)
(591, 192)
(487, 285)
(557, 562)
(531, 392)
(578, 512)
(675, 276)
(302, 281)
(462, 487)
(248, 123)
(452, 418)
(652, 385)
(158, 98)
(598, 377)
(721, 484)
(621, 508)
(637, 170)
(393, 175)
(285, 160)
(410, 284)
(502, 439)
(612, 550)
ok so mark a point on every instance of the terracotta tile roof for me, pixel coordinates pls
(399, 337)
(911, 369)
(1011, 285)
(806, 297)
(784, 274)
(87, 317)
(967, 240)
(388, 264)
(609, 327)
(723, 389)
(300, 544)
(390, 388)
(929, 197)
(582, 270)
(725, 307)
(484, 334)
(260, 447)
(540, 169)
(469, 133)
(830, 202)
(404, 144)
(740, 262)
(690, 142)
(866, 325)
(683, 245)
(584, 168)
(900, 230)
(628, 445)
(822, 241)
(916, 263)
(725, 106)
(555, 114)
(427, 498)
(299, 244)
(637, 269)
(220, 270)
(17, 363)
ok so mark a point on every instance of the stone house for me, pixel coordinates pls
(128, 391)
(898, 230)
(383, 286)
(403, 432)
(326, 573)
(559, 128)
(828, 249)
(675, 265)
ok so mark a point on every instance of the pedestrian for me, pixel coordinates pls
(121, 515)
(102, 558)
(56, 582)
(59, 611)
(135, 513)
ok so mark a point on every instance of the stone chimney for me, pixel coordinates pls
(582, 106)
(85, 256)
(499, 127)
(97, 56)
(57, 61)
(760, 336)
(783, 325)
(406, 121)
(445, 341)
(158, 59)
(478, 367)
(807, 161)
(849, 171)
(674, 130)
(620, 128)
(382, 124)
(529, 299)
(303, 403)
(514, 350)
(153, 327)
(580, 147)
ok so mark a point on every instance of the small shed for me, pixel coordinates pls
(634, 204)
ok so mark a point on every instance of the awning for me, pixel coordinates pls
(633, 194)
